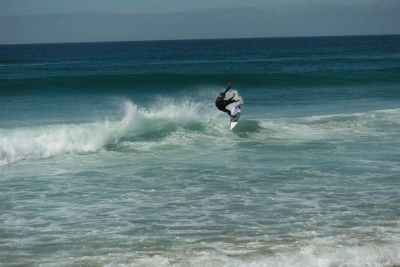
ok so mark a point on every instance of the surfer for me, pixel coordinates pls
(221, 104)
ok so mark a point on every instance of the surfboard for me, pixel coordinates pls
(236, 112)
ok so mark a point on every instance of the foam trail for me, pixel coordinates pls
(335, 126)
(46, 141)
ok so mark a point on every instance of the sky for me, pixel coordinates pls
(59, 21)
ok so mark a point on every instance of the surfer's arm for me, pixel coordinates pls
(227, 89)
(233, 95)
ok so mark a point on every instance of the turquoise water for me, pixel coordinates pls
(113, 154)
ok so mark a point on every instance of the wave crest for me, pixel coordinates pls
(51, 140)
(161, 119)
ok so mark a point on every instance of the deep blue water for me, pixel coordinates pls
(113, 154)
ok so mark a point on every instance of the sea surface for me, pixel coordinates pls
(113, 154)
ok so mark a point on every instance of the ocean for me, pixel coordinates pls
(114, 154)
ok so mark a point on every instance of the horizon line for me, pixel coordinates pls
(204, 39)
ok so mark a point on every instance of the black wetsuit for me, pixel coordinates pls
(221, 104)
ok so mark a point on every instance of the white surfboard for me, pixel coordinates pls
(236, 112)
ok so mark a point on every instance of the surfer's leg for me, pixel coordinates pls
(230, 102)
(227, 111)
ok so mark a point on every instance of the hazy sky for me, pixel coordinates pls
(48, 21)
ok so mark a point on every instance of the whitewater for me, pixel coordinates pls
(169, 117)
(285, 193)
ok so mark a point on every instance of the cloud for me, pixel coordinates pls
(262, 21)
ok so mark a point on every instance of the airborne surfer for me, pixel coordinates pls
(221, 104)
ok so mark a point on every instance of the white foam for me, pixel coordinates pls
(46, 141)
(51, 140)
(311, 256)
(331, 127)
